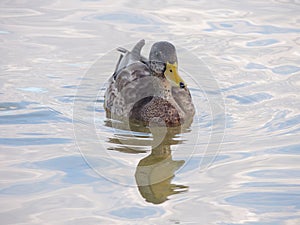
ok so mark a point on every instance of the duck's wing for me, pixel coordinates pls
(130, 85)
(129, 57)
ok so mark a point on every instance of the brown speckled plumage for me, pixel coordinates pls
(156, 110)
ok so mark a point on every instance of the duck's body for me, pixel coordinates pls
(140, 90)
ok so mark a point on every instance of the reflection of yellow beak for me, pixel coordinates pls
(172, 75)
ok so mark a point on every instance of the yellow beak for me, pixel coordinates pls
(171, 73)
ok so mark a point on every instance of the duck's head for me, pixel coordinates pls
(163, 57)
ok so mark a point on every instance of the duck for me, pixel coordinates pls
(149, 90)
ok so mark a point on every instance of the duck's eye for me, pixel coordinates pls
(182, 85)
(171, 70)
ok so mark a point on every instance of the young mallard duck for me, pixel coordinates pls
(149, 91)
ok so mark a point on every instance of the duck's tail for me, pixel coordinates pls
(129, 57)
(136, 50)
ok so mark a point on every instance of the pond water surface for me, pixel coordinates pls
(64, 162)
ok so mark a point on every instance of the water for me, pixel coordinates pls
(63, 162)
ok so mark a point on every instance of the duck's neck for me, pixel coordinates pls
(164, 90)
(162, 86)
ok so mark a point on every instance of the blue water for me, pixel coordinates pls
(63, 162)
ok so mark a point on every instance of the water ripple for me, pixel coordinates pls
(278, 174)
(268, 201)
(286, 150)
(36, 117)
(74, 168)
(263, 42)
(281, 121)
(246, 27)
(7, 106)
(125, 17)
(251, 99)
(33, 141)
(136, 212)
(282, 70)
(255, 66)
(286, 69)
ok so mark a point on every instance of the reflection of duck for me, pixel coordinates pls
(155, 172)
(149, 90)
